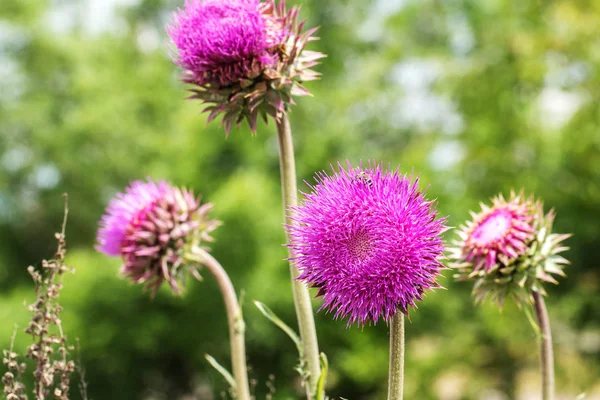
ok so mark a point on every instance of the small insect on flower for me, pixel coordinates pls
(369, 240)
(364, 178)
(509, 249)
(150, 226)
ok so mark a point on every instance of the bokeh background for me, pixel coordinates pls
(478, 96)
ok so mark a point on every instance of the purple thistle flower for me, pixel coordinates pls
(369, 240)
(245, 57)
(222, 42)
(508, 249)
(149, 226)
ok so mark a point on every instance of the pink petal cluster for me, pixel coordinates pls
(222, 42)
(369, 240)
(148, 226)
(499, 233)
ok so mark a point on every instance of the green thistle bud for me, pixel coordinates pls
(509, 249)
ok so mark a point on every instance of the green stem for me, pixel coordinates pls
(234, 320)
(546, 354)
(396, 374)
(304, 312)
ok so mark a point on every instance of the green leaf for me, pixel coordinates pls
(222, 370)
(267, 312)
(532, 321)
(323, 378)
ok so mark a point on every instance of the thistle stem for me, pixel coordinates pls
(396, 374)
(546, 354)
(234, 320)
(304, 310)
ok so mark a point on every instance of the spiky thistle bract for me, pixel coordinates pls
(508, 249)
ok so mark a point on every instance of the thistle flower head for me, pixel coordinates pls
(508, 249)
(246, 58)
(149, 226)
(222, 42)
(368, 240)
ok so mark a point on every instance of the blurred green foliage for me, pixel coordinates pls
(477, 96)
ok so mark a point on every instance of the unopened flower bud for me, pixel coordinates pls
(509, 249)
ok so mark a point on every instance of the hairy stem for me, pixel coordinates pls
(234, 320)
(396, 374)
(546, 354)
(304, 312)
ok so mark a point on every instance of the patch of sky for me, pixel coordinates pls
(7, 208)
(563, 93)
(373, 26)
(64, 16)
(462, 39)
(418, 106)
(28, 199)
(148, 39)
(12, 80)
(45, 176)
(96, 17)
(416, 74)
(11, 36)
(16, 158)
(558, 106)
(446, 154)
(563, 72)
(93, 16)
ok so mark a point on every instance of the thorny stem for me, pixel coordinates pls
(396, 373)
(304, 312)
(234, 320)
(546, 354)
